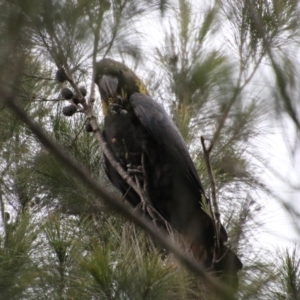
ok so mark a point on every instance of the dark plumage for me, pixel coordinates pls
(135, 126)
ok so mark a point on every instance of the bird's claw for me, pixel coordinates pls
(117, 109)
(134, 170)
(116, 106)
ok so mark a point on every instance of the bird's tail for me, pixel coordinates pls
(223, 263)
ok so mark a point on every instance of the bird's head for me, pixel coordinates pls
(116, 81)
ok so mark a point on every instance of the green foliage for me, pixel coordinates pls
(133, 272)
(278, 21)
(57, 269)
(16, 272)
(213, 68)
(7, 127)
(56, 246)
(289, 274)
(205, 205)
(89, 258)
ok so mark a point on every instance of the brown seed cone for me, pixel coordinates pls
(69, 110)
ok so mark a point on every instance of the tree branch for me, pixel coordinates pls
(78, 133)
(112, 202)
(2, 207)
(216, 212)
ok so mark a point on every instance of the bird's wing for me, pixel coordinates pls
(163, 130)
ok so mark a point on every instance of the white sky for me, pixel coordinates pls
(280, 227)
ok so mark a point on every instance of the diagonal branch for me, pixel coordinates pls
(77, 135)
(113, 202)
(213, 206)
(2, 207)
(216, 211)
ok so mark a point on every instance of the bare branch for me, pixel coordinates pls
(33, 99)
(216, 211)
(77, 135)
(211, 177)
(37, 77)
(145, 176)
(2, 207)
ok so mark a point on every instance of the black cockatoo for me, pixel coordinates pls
(144, 139)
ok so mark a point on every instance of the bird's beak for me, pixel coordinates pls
(108, 86)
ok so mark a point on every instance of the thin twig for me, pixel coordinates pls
(116, 165)
(37, 77)
(44, 100)
(77, 135)
(216, 211)
(124, 195)
(50, 51)
(2, 211)
(141, 194)
(145, 176)
(222, 122)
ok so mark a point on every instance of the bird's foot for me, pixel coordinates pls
(142, 208)
(116, 106)
(134, 170)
